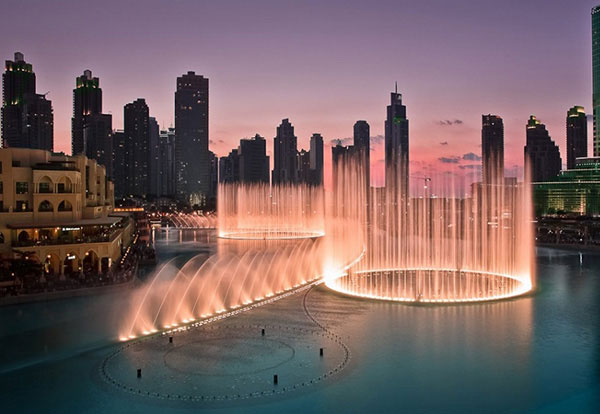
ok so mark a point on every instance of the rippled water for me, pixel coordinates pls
(534, 354)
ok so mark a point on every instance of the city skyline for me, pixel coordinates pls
(445, 114)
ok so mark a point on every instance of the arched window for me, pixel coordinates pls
(45, 185)
(23, 236)
(46, 206)
(65, 185)
(65, 206)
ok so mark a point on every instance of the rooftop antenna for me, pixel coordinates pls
(396, 86)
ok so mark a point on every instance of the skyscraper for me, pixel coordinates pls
(87, 101)
(191, 145)
(362, 144)
(167, 163)
(97, 138)
(229, 167)
(253, 160)
(396, 148)
(492, 149)
(542, 157)
(576, 135)
(304, 174)
(27, 117)
(285, 169)
(119, 162)
(596, 77)
(316, 159)
(137, 142)
(153, 152)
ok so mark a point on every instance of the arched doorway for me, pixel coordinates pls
(72, 265)
(90, 262)
(23, 236)
(52, 265)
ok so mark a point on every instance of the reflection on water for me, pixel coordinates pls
(533, 354)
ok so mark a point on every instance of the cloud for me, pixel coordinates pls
(444, 143)
(341, 141)
(469, 166)
(377, 139)
(447, 122)
(211, 142)
(449, 160)
(221, 141)
(471, 156)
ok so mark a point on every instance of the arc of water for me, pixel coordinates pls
(200, 269)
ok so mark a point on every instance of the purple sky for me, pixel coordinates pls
(323, 64)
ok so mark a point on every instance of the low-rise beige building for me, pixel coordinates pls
(57, 209)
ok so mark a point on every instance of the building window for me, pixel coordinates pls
(1, 188)
(22, 205)
(22, 187)
(46, 206)
(0, 167)
(45, 188)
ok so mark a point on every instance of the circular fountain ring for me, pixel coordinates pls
(271, 234)
(429, 285)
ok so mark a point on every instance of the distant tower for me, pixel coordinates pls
(166, 156)
(492, 149)
(396, 147)
(316, 159)
(542, 157)
(576, 135)
(191, 145)
(87, 101)
(596, 77)
(137, 141)
(27, 117)
(362, 146)
(253, 160)
(285, 170)
(154, 156)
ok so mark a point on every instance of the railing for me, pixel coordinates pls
(103, 238)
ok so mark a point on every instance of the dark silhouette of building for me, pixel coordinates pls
(396, 148)
(229, 168)
(119, 162)
(316, 159)
(137, 142)
(214, 178)
(542, 157)
(362, 145)
(253, 160)
(304, 173)
(285, 168)
(596, 77)
(191, 145)
(492, 149)
(27, 117)
(87, 101)
(166, 156)
(576, 135)
(97, 136)
(154, 160)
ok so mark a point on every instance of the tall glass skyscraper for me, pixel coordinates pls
(396, 147)
(596, 76)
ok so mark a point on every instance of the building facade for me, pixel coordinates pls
(27, 117)
(316, 159)
(166, 171)
(596, 77)
(229, 167)
(492, 149)
(576, 135)
(285, 154)
(253, 160)
(191, 145)
(136, 118)
(57, 209)
(396, 148)
(542, 157)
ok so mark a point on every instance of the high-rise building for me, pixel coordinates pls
(154, 161)
(576, 135)
(214, 178)
(396, 148)
(492, 149)
(253, 160)
(542, 157)
(316, 159)
(304, 172)
(362, 144)
(27, 117)
(87, 101)
(285, 169)
(191, 145)
(97, 138)
(119, 162)
(137, 141)
(596, 77)
(229, 167)
(167, 163)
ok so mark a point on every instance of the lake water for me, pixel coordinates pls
(539, 353)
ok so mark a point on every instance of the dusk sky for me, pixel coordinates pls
(323, 65)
